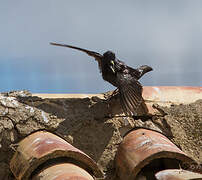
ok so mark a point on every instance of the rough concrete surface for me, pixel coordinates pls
(88, 124)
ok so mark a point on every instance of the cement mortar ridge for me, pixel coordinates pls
(87, 123)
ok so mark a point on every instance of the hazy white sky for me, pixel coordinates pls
(166, 35)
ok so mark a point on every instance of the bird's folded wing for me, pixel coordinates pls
(130, 94)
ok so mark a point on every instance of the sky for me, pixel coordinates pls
(166, 35)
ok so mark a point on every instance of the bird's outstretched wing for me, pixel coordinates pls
(130, 93)
(96, 55)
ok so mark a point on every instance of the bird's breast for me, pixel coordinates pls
(109, 76)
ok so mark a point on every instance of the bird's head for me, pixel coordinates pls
(109, 58)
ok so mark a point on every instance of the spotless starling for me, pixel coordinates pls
(120, 75)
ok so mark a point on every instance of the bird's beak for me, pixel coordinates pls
(112, 66)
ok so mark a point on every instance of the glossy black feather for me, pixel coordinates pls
(130, 92)
(121, 76)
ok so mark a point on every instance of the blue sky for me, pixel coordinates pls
(166, 35)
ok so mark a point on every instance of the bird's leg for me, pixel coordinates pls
(114, 93)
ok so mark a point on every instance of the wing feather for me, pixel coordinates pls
(97, 56)
(130, 94)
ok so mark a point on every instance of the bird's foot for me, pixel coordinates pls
(114, 93)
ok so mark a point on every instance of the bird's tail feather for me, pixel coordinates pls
(144, 69)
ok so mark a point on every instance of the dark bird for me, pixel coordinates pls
(120, 75)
